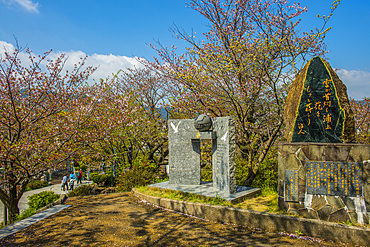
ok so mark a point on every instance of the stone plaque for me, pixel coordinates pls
(334, 178)
(291, 186)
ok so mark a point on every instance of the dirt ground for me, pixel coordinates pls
(121, 219)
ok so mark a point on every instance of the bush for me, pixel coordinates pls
(83, 190)
(36, 184)
(134, 178)
(25, 214)
(42, 199)
(142, 173)
(206, 173)
(100, 179)
(267, 175)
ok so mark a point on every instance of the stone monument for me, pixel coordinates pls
(322, 173)
(184, 169)
(184, 151)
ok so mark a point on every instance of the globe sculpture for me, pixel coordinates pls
(203, 122)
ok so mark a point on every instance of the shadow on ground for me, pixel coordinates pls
(120, 219)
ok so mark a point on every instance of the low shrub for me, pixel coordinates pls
(25, 214)
(42, 199)
(100, 179)
(134, 178)
(36, 184)
(83, 190)
(206, 173)
(267, 175)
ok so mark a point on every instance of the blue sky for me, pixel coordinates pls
(113, 32)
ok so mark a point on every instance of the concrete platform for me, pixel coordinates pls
(206, 189)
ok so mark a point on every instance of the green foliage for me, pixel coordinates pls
(101, 179)
(206, 173)
(83, 190)
(26, 213)
(134, 178)
(267, 175)
(161, 177)
(348, 223)
(142, 173)
(299, 233)
(272, 205)
(36, 184)
(184, 196)
(42, 199)
(241, 170)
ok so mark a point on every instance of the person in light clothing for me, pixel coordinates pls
(71, 184)
(64, 182)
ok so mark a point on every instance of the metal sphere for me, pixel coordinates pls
(203, 122)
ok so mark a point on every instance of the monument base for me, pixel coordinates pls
(207, 189)
(325, 181)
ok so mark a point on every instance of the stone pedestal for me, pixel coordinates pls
(325, 181)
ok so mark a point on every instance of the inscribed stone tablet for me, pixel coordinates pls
(291, 186)
(334, 178)
(317, 108)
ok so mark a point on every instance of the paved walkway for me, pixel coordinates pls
(24, 199)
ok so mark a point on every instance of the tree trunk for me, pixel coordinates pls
(13, 210)
(11, 198)
(252, 173)
(250, 178)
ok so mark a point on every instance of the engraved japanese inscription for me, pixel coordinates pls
(291, 186)
(334, 178)
(320, 117)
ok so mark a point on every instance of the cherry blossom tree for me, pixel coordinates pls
(147, 89)
(243, 67)
(361, 110)
(42, 114)
(114, 115)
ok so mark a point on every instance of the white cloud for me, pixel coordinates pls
(107, 64)
(26, 4)
(6, 47)
(357, 82)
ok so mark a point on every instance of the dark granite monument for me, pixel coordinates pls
(317, 107)
(323, 174)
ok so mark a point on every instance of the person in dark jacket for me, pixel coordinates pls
(79, 176)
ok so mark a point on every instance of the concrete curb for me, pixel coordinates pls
(266, 221)
(20, 225)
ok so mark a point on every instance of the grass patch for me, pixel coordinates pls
(266, 202)
(183, 196)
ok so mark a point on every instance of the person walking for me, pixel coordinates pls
(71, 183)
(64, 182)
(79, 176)
(72, 176)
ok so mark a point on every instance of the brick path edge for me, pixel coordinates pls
(266, 221)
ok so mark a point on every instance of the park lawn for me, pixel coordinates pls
(266, 202)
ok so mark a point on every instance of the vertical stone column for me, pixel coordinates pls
(223, 154)
(184, 153)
